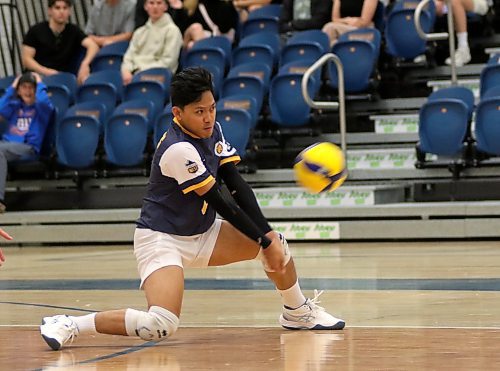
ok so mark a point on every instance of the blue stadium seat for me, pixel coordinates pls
(218, 42)
(443, 127)
(60, 97)
(258, 47)
(5, 82)
(300, 67)
(371, 35)
(487, 127)
(66, 79)
(96, 110)
(159, 74)
(271, 10)
(256, 69)
(125, 137)
(430, 7)
(286, 101)
(456, 92)
(494, 60)
(492, 92)
(245, 85)
(359, 58)
(112, 77)
(301, 50)
(109, 57)
(244, 102)
(236, 126)
(490, 77)
(401, 36)
(316, 36)
(162, 124)
(151, 91)
(77, 138)
(100, 92)
(143, 107)
(254, 25)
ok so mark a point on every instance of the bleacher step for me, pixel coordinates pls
(472, 84)
(396, 124)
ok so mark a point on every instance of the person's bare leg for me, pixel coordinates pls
(163, 288)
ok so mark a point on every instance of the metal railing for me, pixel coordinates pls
(340, 105)
(450, 35)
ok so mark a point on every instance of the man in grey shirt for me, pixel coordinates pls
(111, 21)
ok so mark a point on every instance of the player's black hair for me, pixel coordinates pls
(68, 3)
(188, 85)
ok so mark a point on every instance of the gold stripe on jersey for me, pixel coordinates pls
(199, 185)
(230, 159)
(204, 208)
(184, 129)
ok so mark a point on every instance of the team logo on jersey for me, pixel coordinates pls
(192, 167)
(219, 147)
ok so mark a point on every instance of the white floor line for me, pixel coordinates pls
(347, 327)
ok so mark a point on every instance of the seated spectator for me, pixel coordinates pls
(141, 17)
(246, 6)
(111, 21)
(300, 15)
(55, 45)
(26, 109)
(156, 44)
(460, 9)
(348, 15)
(204, 18)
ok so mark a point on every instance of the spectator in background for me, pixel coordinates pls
(204, 18)
(460, 9)
(111, 21)
(55, 45)
(300, 15)
(348, 15)
(156, 44)
(246, 6)
(26, 109)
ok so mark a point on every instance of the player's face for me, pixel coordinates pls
(155, 9)
(60, 12)
(26, 92)
(198, 117)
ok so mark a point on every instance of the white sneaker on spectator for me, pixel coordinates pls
(57, 330)
(462, 57)
(310, 316)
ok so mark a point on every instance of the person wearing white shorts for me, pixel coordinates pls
(178, 228)
(460, 9)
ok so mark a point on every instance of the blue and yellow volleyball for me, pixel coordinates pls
(320, 167)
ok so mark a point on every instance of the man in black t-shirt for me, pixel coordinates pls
(53, 46)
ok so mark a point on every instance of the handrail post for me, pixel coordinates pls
(450, 35)
(340, 105)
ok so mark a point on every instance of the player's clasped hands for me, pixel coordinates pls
(274, 254)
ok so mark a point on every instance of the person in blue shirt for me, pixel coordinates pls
(25, 111)
(178, 228)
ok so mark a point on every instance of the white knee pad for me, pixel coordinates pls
(155, 325)
(286, 252)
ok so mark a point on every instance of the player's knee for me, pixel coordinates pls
(155, 325)
(286, 252)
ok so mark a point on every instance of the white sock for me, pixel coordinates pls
(292, 297)
(86, 324)
(463, 42)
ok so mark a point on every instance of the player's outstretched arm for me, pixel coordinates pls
(229, 210)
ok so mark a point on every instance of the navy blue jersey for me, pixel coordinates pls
(181, 164)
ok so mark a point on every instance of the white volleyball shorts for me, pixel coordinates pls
(154, 250)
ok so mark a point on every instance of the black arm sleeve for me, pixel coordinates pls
(243, 195)
(229, 210)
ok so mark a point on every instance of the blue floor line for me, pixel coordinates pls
(461, 284)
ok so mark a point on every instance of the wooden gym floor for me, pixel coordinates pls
(407, 306)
